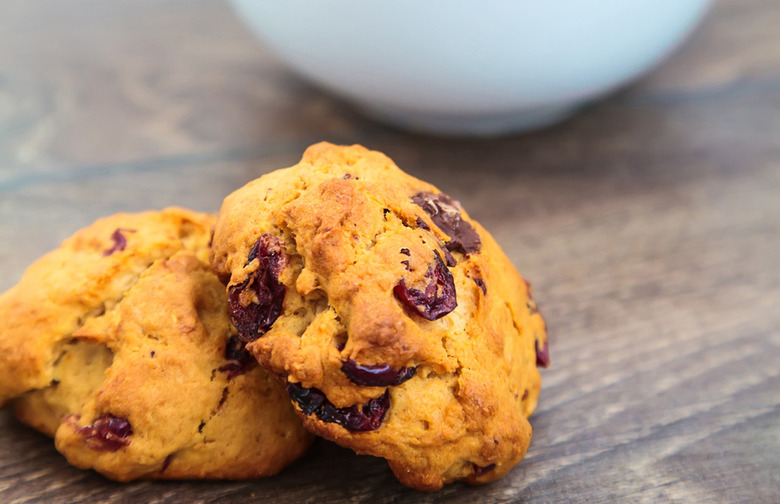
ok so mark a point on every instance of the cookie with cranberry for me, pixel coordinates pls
(119, 345)
(402, 329)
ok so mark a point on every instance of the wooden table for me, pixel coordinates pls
(649, 225)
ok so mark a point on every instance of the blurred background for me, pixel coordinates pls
(645, 214)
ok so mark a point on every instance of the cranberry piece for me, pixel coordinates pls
(257, 317)
(166, 463)
(451, 262)
(355, 418)
(422, 224)
(445, 213)
(120, 241)
(107, 433)
(222, 399)
(437, 300)
(542, 354)
(240, 360)
(481, 284)
(308, 399)
(377, 375)
(479, 471)
(528, 288)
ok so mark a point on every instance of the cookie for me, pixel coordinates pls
(400, 326)
(119, 345)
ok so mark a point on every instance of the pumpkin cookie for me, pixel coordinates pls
(119, 345)
(400, 326)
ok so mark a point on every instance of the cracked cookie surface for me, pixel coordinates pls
(119, 345)
(401, 327)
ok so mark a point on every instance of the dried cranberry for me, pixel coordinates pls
(355, 418)
(107, 433)
(451, 262)
(445, 213)
(481, 284)
(542, 354)
(377, 375)
(120, 242)
(437, 300)
(223, 398)
(238, 357)
(528, 288)
(257, 317)
(308, 399)
(479, 471)
(166, 463)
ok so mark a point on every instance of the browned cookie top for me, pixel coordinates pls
(400, 325)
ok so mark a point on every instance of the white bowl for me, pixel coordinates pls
(468, 66)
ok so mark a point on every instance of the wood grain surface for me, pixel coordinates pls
(649, 226)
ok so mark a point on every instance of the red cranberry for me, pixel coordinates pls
(120, 241)
(166, 463)
(451, 262)
(355, 418)
(422, 224)
(479, 471)
(542, 354)
(445, 213)
(223, 398)
(238, 357)
(107, 433)
(377, 375)
(255, 319)
(439, 297)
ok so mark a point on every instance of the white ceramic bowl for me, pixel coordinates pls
(471, 66)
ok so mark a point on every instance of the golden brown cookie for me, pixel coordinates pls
(120, 346)
(401, 327)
